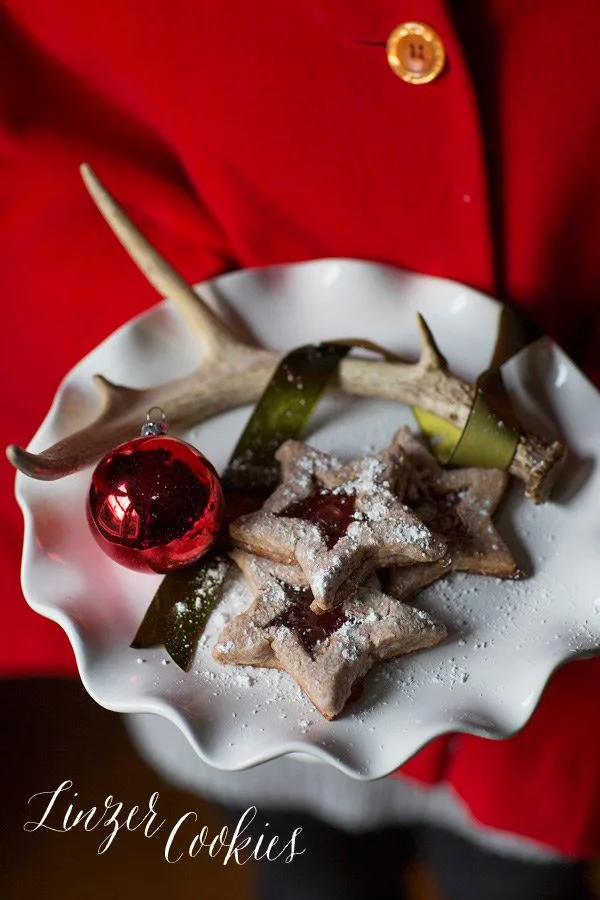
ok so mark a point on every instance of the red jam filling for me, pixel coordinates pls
(332, 513)
(299, 617)
(447, 519)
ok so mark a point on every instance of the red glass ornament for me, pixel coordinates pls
(155, 504)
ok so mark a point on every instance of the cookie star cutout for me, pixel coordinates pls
(327, 655)
(458, 505)
(338, 522)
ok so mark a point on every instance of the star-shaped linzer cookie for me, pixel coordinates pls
(338, 522)
(328, 655)
(457, 505)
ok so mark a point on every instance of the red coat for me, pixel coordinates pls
(245, 134)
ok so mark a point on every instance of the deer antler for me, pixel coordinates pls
(233, 373)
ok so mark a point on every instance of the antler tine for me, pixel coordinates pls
(431, 358)
(160, 273)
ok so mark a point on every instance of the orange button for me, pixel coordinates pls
(415, 53)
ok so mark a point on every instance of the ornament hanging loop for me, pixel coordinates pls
(156, 423)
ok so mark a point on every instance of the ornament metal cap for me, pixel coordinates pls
(153, 426)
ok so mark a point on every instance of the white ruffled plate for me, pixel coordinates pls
(506, 637)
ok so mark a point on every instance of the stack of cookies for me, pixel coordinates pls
(317, 553)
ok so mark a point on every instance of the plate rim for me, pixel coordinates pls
(161, 707)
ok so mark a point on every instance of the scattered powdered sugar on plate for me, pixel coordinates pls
(449, 674)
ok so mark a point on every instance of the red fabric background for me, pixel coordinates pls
(243, 135)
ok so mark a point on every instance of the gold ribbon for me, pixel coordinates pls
(490, 436)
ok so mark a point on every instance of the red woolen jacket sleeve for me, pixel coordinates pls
(66, 283)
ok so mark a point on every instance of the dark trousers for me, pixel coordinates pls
(370, 866)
